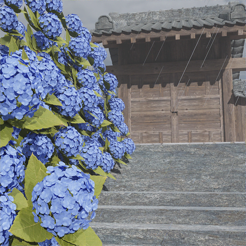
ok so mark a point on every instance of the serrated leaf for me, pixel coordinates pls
(99, 181)
(26, 228)
(35, 172)
(29, 30)
(53, 100)
(77, 119)
(91, 60)
(104, 174)
(97, 94)
(6, 131)
(19, 242)
(24, 55)
(19, 199)
(106, 123)
(12, 45)
(84, 62)
(115, 129)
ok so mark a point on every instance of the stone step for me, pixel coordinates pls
(224, 216)
(203, 199)
(169, 234)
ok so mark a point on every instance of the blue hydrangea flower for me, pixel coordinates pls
(42, 42)
(110, 135)
(15, 133)
(89, 99)
(111, 80)
(117, 149)
(74, 24)
(80, 47)
(21, 29)
(36, 5)
(69, 141)
(71, 101)
(116, 117)
(64, 200)
(17, 3)
(107, 163)
(38, 144)
(86, 34)
(86, 127)
(123, 128)
(129, 145)
(11, 168)
(7, 216)
(98, 119)
(8, 19)
(4, 50)
(87, 78)
(50, 25)
(55, 5)
(92, 155)
(116, 104)
(51, 242)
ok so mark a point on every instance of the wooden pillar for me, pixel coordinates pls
(228, 106)
(174, 110)
(240, 117)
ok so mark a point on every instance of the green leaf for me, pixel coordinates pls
(14, 7)
(99, 181)
(97, 94)
(34, 43)
(39, 58)
(107, 143)
(84, 62)
(5, 40)
(29, 30)
(54, 160)
(62, 242)
(29, 40)
(83, 238)
(77, 119)
(43, 118)
(128, 134)
(93, 45)
(78, 157)
(104, 174)
(35, 172)
(5, 133)
(106, 123)
(74, 73)
(67, 36)
(128, 156)
(91, 60)
(19, 242)
(26, 228)
(12, 45)
(24, 55)
(53, 100)
(33, 17)
(115, 129)
(19, 199)
(120, 161)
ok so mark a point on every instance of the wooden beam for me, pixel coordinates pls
(237, 64)
(228, 106)
(104, 42)
(224, 34)
(208, 34)
(118, 41)
(177, 36)
(240, 32)
(133, 40)
(147, 39)
(192, 35)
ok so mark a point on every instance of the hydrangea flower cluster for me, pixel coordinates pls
(123, 128)
(107, 163)
(87, 78)
(86, 34)
(15, 133)
(17, 3)
(129, 145)
(116, 104)
(36, 5)
(38, 144)
(51, 242)
(50, 25)
(7, 216)
(80, 47)
(8, 19)
(74, 24)
(64, 199)
(117, 149)
(86, 127)
(89, 99)
(110, 135)
(116, 117)
(98, 119)
(92, 156)
(55, 5)
(42, 42)
(21, 29)
(69, 141)
(111, 80)
(12, 168)
(71, 101)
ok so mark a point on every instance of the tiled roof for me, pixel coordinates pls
(208, 16)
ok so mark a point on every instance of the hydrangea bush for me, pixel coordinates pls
(61, 126)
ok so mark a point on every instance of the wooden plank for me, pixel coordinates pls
(175, 67)
(221, 113)
(150, 106)
(174, 95)
(175, 127)
(177, 36)
(150, 137)
(240, 116)
(228, 106)
(192, 35)
(129, 104)
(208, 34)
(150, 126)
(224, 33)
(160, 137)
(189, 136)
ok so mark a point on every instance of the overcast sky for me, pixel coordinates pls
(90, 10)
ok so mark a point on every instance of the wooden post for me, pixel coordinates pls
(228, 106)
(240, 116)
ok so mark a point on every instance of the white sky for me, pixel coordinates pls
(90, 10)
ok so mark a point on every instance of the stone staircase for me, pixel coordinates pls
(176, 195)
